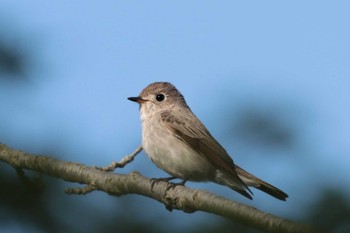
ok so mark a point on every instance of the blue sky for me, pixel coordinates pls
(91, 56)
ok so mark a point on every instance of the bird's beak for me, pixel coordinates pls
(137, 99)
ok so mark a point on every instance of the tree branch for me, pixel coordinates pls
(181, 198)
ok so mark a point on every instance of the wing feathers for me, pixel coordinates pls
(200, 140)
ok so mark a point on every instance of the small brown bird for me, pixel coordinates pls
(178, 143)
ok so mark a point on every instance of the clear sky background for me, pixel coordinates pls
(288, 60)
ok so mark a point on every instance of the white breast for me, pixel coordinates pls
(171, 154)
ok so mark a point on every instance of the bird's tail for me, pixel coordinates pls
(253, 181)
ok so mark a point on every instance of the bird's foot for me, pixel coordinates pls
(167, 202)
(172, 185)
(156, 180)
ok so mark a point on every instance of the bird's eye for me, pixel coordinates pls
(160, 97)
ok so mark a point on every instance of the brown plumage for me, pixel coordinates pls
(178, 143)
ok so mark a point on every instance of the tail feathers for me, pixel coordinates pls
(273, 191)
(234, 182)
(255, 182)
(245, 193)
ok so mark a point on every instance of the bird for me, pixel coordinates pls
(177, 142)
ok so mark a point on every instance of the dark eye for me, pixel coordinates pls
(160, 97)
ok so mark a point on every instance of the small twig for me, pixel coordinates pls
(90, 188)
(81, 191)
(127, 159)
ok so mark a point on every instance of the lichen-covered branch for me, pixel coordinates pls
(181, 198)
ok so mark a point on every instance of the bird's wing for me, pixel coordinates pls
(195, 135)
